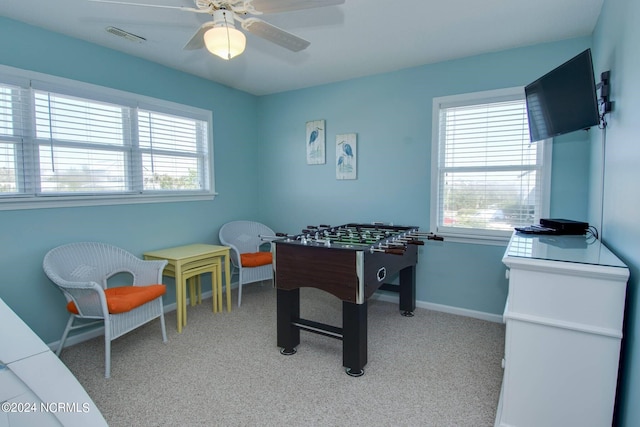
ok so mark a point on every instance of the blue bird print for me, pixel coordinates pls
(346, 156)
(313, 136)
(347, 150)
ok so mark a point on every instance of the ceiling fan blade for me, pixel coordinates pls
(197, 41)
(274, 34)
(183, 8)
(277, 6)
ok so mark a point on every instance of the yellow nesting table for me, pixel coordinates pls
(189, 261)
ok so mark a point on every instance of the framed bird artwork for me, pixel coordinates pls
(346, 156)
(315, 143)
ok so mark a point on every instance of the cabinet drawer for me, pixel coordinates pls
(589, 301)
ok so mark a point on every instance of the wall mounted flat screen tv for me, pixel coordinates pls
(563, 100)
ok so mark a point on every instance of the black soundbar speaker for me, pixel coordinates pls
(565, 226)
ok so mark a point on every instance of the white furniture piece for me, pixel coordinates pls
(563, 316)
(82, 270)
(36, 388)
(244, 237)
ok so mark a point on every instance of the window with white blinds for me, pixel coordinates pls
(98, 146)
(487, 176)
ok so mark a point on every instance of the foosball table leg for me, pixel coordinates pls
(288, 303)
(354, 338)
(407, 285)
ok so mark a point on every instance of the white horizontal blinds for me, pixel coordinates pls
(174, 152)
(488, 169)
(83, 145)
(11, 131)
(17, 167)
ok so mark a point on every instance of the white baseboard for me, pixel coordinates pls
(497, 318)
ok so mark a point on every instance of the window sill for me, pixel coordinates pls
(77, 201)
(475, 239)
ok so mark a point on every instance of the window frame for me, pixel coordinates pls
(34, 81)
(478, 235)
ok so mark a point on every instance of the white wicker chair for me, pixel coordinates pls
(81, 271)
(244, 237)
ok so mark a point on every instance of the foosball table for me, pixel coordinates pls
(351, 262)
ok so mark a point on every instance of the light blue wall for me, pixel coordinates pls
(616, 42)
(25, 236)
(570, 176)
(391, 114)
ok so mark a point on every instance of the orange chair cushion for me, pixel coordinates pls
(126, 298)
(256, 259)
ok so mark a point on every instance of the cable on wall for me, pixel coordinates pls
(605, 107)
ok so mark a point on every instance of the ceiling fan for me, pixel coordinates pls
(221, 37)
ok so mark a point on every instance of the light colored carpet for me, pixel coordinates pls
(434, 369)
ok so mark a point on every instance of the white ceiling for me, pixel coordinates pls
(357, 38)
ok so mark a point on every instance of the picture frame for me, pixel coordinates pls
(315, 142)
(346, 156)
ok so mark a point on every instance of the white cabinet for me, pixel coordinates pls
(563, 316)
(36, 388)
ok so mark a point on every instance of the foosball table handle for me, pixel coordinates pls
(394, 251)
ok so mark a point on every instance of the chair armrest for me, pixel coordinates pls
(89, 297)
(147, 272)
(234, 254)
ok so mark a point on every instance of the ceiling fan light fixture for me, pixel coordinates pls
(224, 40)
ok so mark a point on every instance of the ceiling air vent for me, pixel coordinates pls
(125, 35)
